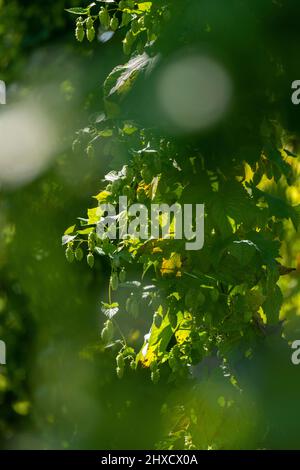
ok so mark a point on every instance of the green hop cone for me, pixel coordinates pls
(108, 332)
(141, 22)
(90, 260)
(79, 32)
(69, 254)
(114, 23)
(120, 372)
(92, 241)
(132, 307)
(104, 18)
(89, 22)
(129, 37)
(114, 281)
(91, 245)
(120, 361)
(122, 275)
(133, 364)
(90, 34)
(126, 17)
(78, 254)
(126, 47)
(92, 236)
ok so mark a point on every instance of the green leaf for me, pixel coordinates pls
(67, 239)
(120, 80)
(110, 310)
(70, 230)
(106, 133)
(280, 208)
(219, 217)
(77, 10)
(243, 251)
(129, 128)
(145, 6)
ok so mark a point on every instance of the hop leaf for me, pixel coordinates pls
(89, 22)
(104, 18)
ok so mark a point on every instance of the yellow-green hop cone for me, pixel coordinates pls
(90, 34)
(108, 332)
(114, 23)
(69, 254)
(126, 47)
(90, 260)
(120, 361)
(104, 18)
(78, 254)
(122, 275)
(79, 32)
(89, 23)
(120, 372)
